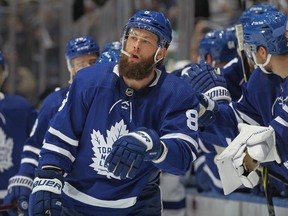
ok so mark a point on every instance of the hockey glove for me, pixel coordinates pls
(253, 145)
(129, 152)
(231, 168)
(19, 189)
(45, 198)
(261, 143)
(208, 110)
(205, 79)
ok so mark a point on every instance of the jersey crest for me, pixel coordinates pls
(102, 147)
(6, 149)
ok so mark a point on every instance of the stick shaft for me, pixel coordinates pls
(4, 208)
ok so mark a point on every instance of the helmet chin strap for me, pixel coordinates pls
(213, 63)
(262, 66)
(155, 59)
(69, 66)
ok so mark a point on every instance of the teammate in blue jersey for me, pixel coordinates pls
(117, 130)
(81, 52)
(262, 104)
(17, 117)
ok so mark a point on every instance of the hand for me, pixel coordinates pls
(208, 110)
(19, 189)
(205, 79)
(129, 152)
(45, 198)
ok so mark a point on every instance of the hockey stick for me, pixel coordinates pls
(244, 61)
(13, 206)
(267, 190)
(249, 165)
(4, 208)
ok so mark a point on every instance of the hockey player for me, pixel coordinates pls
(117, 130)
(81, 52)
(262, 105)
(17, 117)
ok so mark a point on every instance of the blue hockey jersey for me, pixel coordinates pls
(34, 143)
(17, 117)
(99, 109)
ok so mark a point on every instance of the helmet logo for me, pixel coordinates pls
(82, 48)
(257, 23)
(143, 19)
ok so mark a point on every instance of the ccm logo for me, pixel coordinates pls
(48, 183)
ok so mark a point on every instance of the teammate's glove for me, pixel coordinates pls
(241, 158)
(205, 79)
(208, 110)
(129, 152)
(261, 144)
(45, 198)
(19, 189)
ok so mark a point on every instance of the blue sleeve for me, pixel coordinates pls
(34, 143)
(16, 121)
(233, 74)
(280, 123)
(65, 129)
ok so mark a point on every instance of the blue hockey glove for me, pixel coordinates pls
(19, 189)
(45, 198)
(205, 79)
(208, 110)
(129, 151)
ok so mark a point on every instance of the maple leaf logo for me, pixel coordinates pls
(102, 147)
(6, 149)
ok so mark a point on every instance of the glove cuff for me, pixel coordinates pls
(163, 155)
(22, 181)
(219, 93)
(48, 180)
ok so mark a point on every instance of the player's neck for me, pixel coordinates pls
(280, 66)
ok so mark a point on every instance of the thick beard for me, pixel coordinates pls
(136, 71)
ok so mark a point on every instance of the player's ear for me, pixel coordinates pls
(262, 51)
(209, 59)
(161, 54)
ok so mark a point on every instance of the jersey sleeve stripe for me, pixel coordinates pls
(281, 121)
(200, 160)
(185, 138)
(59, 150)
(31, 149)
(63, 137)
(29, 160)
(240, 116)
(181, 136)
(203, 147)
(214, 179)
